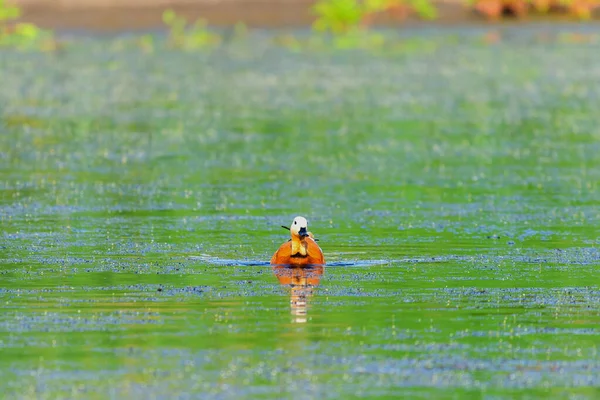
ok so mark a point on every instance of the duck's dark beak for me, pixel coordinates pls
(302, 232)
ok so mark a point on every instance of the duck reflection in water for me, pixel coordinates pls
(302, 281)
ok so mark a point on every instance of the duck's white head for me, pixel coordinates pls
(299, 227)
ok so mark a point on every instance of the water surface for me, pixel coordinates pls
(454, 190)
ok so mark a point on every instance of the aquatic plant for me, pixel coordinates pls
(146, 43)
(373, 43)
(342, 16)
(348, 20)
(22, 35)
(186, 37)
(240, 31)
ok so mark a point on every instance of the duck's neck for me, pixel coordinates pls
(298, 246)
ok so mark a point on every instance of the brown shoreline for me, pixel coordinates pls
(107, 15)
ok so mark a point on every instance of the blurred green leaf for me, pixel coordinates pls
(337, 16)
(168, 16)
(425, 9)
(28, 31)
(343, 16)
(22, 36)
(185, 37)
(375, 5)
(8, 13)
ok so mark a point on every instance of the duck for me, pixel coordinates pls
(301, 250)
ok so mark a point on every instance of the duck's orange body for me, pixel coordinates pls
(284, 255)
(301, 250)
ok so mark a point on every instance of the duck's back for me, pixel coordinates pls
(284, 254)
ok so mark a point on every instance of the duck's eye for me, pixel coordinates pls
(295, 222)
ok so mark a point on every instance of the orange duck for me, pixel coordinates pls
(302, 250)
